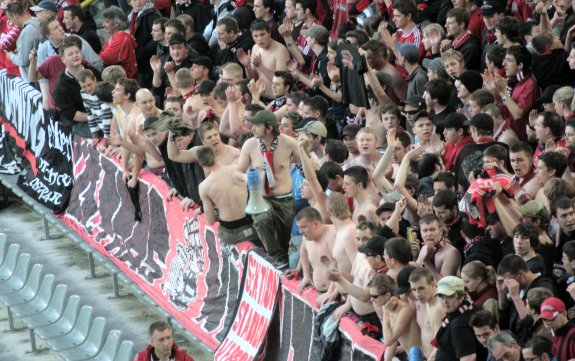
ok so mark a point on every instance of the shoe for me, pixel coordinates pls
(281, 264)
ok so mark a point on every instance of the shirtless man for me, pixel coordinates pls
(397, 254)
(368, 261)
(123, 129)
(427, 306)
(146, 102)
(355, 182)
(226, 207)
(271, 152)
(368, 155)
(267, 56)
(437, 254)
(318, 239)
(423, 131)
(398, 319)
(210, 136)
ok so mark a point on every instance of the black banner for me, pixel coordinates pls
(33, 141)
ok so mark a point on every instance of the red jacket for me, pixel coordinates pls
(181, 354)
(5, 63)
(120, 50)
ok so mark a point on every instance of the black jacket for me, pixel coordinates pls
(143, 35)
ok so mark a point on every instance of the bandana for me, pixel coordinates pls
(268, 165)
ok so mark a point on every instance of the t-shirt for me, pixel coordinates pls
(458, 340)
(352, 66)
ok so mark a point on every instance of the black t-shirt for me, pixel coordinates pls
(352, 66)
(458, 340)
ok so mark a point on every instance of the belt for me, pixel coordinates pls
(282, 197)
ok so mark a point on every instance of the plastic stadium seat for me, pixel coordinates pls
(3, 247)
(29, 291)
(74, 337)
(91, 346)
(110, 347)
(66, 322)
(18, 279)
(125, 351)
(38, 303)
(53, 313)
(9, 264)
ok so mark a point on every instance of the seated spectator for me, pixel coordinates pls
(162, 345)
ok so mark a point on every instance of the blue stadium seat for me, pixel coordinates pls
(19, 277)
(91, 346)
(125, 351)
(110, 347)
(74, 337)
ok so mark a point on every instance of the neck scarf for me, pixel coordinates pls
(278, 103)
(268, 165)
(457, 43)
(465, 306)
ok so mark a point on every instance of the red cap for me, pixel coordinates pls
(551, 307)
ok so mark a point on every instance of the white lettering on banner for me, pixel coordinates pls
(60, 140)
(52, 176)
(44, 193)
(21, 110)
(254, 314)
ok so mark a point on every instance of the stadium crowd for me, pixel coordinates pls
(417, 158)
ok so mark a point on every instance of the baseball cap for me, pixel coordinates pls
(392, 197)
(551, 307)
(472, 80)
(454, 120)
(481, 121)
(264, 117)
(177, 38)
(387, 206)
(419, 115)
(403, 285)
(547, 96)
(414, 101)
(409, 51)
(204, 61)
(534, 209)
(490, 8)
(436, 65)
(314, 127)
(317, 32)
(45, 5)
(374, 246)
(206, 87)
(449, 285)
(350, 130)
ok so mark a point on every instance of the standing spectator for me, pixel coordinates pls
(503, 346)
(408, 56)
(193, 36)
(67, 94)
(263, 10)
(222, 8)
(230, 41)
(75, 21)
(463, 40)
(455, 339)
(141, 20)
(162, 345)
(554, 315)
(198, 11)
(45, 11)
(120, 47)
(29, 36)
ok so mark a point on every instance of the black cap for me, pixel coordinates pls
(385, 207)
(472, 80)
(403, 285)
(415, 101)
(350, 129)
(422, 114)
(206, 87)
(490, 8)
(481, 121)
(205, 62)
(454, 120)
(374, 246)
(177, 38)
(547, 96)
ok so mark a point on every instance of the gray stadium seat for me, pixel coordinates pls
(125, 351)
(38, 303)
(18, 279)
(91, 346)
(74, 337)
(66, 322)
(55, 312)
(26, 293)
(9, 264)
(110, 347)
(3, 247)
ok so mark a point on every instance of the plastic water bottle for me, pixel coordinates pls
(415, 354)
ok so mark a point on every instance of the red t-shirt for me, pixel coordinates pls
(476, 25)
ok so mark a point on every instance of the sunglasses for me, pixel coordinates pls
(374, 297)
